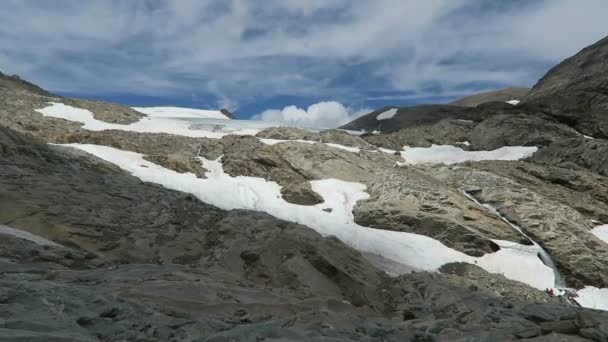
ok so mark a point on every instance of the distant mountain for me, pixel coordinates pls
(503, 95)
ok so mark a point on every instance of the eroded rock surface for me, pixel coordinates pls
(137, 261)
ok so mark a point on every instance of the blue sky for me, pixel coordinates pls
(251, 56)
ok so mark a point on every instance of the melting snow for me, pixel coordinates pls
(601, 232)
(593, 298)
(514, 102)
(411, 250)
(387, 114)
(192, 123)
(27, 236)
(448, 154)
(178, 112)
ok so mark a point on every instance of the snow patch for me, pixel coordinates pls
(389, 114)
(601, 232)
(178, 112)
(5, 230)
(346, 148)
(514, 102)
(415, 251)
(158, 121)
(448, 154)
(593, 298)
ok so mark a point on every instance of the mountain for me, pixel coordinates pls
(576, 91)
(172, 224)
(501, 95)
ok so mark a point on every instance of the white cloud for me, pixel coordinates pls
(320, 115)
(299, 47)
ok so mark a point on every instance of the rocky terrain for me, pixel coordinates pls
(97, 251)
(501, 95)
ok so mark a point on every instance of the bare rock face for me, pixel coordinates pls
(301, 193)
(560, 229)
(444, 132)
(590, 154)
(407, 200)
(135, 261)
(15, 83)
(108, 112)
(518, 130)
(287, 133)
(501, 95)
(576, 91)
(410, 117)
(227, 113)
(334, 136)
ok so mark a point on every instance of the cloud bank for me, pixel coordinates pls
(320, 115)
(236, 52)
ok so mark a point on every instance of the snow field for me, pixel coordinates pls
(593, 298)
(159, 120)
(389, 114)
(448, 154)
(601, 232)
(515, 261)
(178, 112)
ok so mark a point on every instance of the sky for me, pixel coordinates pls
(318, 62)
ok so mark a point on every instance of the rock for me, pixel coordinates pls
(574, 91)
(301, 194)
(227, 113)
(288, 133)
(561, 327)
(140, 262)
(560, 229)
(444, 132)
(518, 130)
(339, 137)
(407, 200)
(501, 95)
(409, 117)
(578, 153)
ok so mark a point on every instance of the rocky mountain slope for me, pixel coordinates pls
(501, 95)
(150, 224)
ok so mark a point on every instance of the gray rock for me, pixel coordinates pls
(501, 95)
(518, 130)
(575, 91)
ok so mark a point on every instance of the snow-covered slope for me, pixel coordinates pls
(171, 120)
(178, 112)
(601, 232)
(515, 261)
(448, 154)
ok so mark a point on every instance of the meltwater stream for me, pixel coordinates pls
(543, 255)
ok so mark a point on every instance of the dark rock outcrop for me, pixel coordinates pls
(576, 91)
(518, 130)
(590, 154)
(227, 113)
